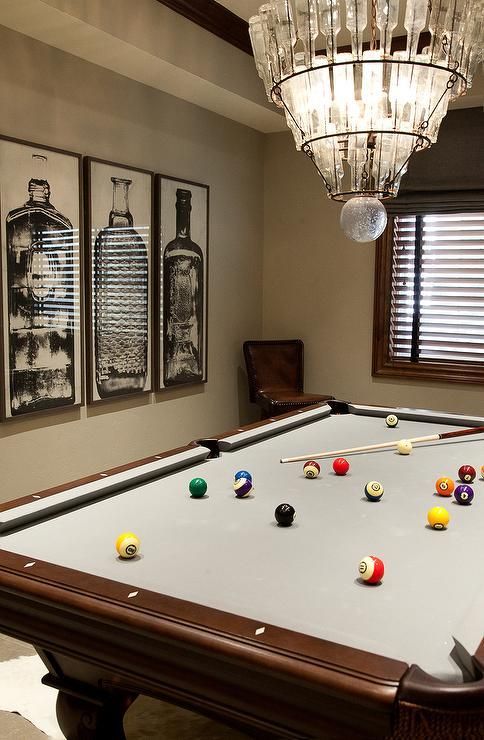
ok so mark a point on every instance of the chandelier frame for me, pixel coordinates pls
(422, 142)
(353, 121)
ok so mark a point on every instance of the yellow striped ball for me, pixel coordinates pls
(127, 545)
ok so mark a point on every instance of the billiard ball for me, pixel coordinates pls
(391, 420)
(242, 474)
(285, 514)
(371, 569)
(311, 469)
(374, 490)
(444, 486)
(127, 545)
(464, 494)
(242, 487)
(466, 473)
(404, 447)
(197, 487)
(482, 471)
(438, 517)
(341, 466)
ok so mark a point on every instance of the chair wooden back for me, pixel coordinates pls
(274, 364)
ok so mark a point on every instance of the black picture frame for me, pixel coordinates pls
(119, 267)
(41, 277)
(181, 280)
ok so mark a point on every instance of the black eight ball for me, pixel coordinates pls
(285, 514)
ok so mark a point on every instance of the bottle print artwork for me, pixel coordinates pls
(40, 279)
(183, 278)
(120, 301)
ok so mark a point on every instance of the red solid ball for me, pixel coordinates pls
(341, 466)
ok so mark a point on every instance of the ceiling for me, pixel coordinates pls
(165, 50)
(474, 98)
(161, 49)
(243, 8)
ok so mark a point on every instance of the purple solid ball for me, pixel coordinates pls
(464, 494)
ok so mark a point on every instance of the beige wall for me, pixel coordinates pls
(50, 97)
(156, 46)
(279, 265)
(318, 286)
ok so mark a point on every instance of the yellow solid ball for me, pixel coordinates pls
(438, 517)
(127, 545)
(404, 447)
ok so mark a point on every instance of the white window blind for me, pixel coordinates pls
(437, 305)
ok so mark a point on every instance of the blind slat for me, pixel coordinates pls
(451, 305)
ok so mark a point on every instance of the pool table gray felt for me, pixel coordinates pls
(229, 553)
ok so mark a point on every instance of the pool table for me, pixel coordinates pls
(266, 628)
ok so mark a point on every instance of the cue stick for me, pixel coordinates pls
(382, 445)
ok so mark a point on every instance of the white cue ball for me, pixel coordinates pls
(404, 447)
(391, 420)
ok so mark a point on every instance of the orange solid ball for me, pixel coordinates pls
(444, 486)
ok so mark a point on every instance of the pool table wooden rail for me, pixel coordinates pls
(95, 477)
(104, 642)
(330, 407)
(102, 647)
(280, 683)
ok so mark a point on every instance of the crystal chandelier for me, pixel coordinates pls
(360, 111)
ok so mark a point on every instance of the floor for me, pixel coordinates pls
(27, 709)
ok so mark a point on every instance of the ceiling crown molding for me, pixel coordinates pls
(213, 17)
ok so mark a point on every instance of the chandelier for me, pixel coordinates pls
(360, 111)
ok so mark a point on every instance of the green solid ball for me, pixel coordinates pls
(197, 487)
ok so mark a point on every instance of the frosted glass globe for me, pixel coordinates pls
(363, 218)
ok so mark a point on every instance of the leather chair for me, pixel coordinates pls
(275, 371)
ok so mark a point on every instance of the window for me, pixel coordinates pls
(429, 298)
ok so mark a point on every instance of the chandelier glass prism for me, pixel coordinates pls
(360, 111)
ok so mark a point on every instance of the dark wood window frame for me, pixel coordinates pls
(383, 365)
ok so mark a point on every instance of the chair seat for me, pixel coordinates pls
(279, 400)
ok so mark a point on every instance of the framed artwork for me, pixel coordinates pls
(182, 282)
(41, 344)
(119, 208)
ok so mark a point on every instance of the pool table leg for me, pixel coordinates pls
(87, 714)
